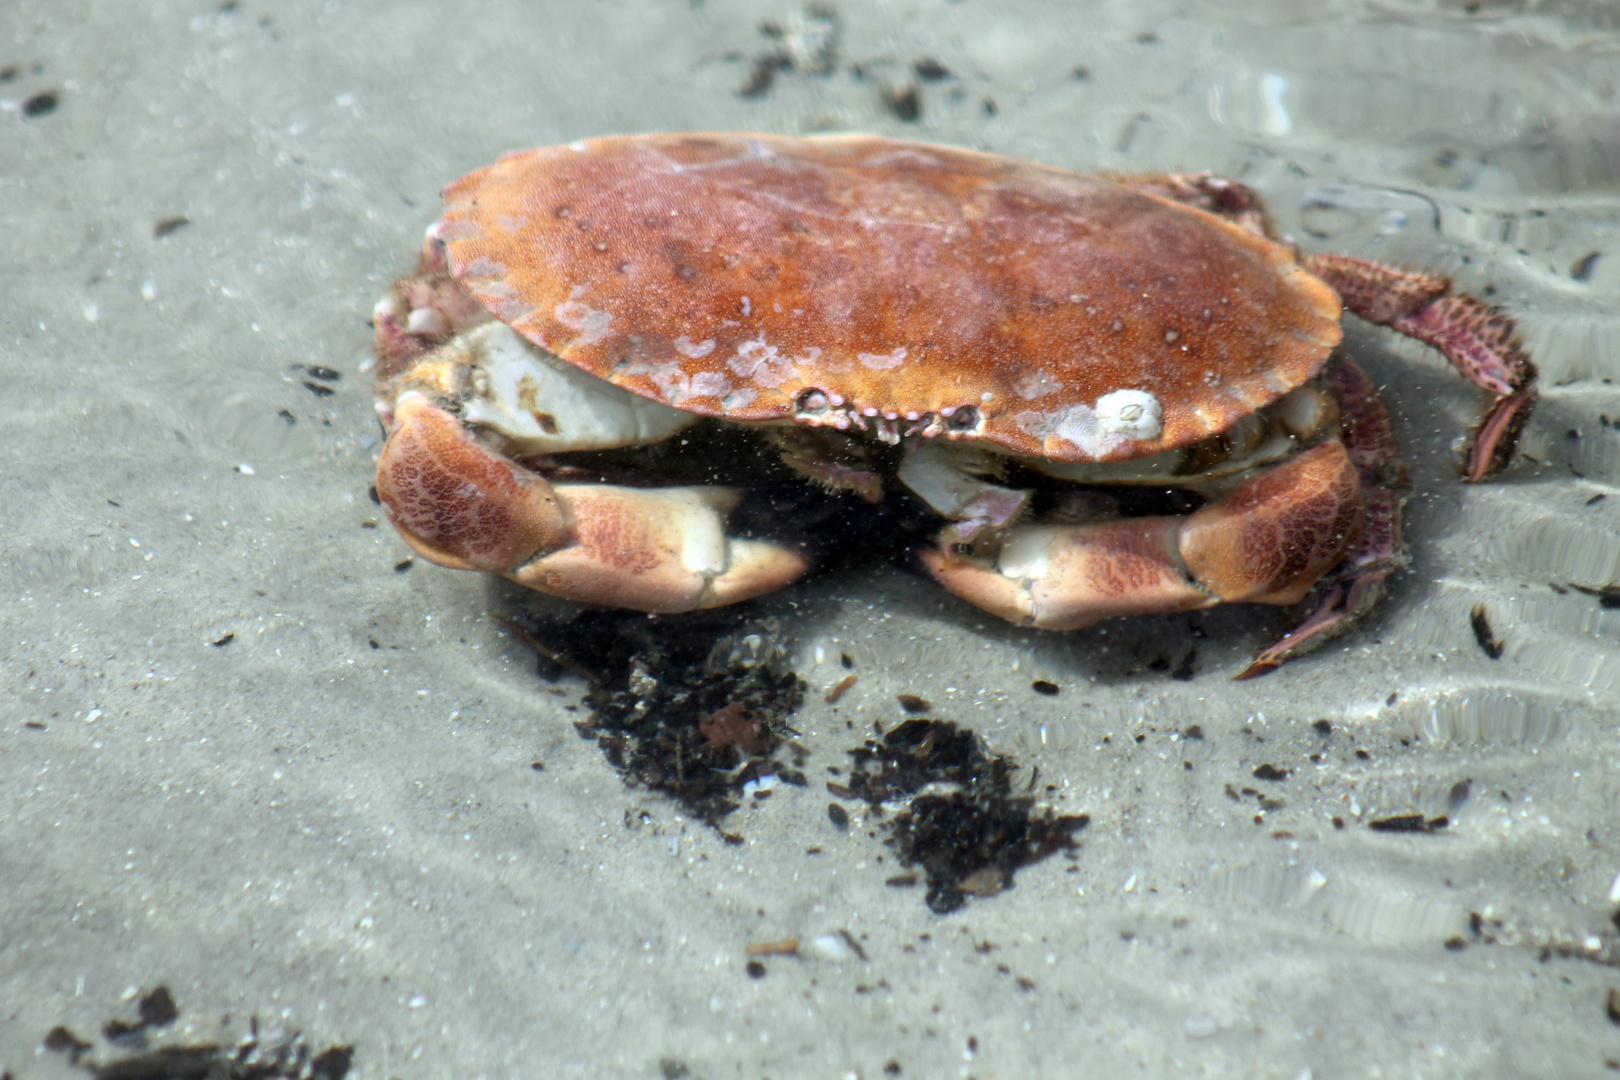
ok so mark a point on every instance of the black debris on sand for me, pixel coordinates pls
(267, 1055)
(967, 831)
(692, 706)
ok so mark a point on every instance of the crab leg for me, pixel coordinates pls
(650, 549)
(1358, 583)
(421, 312)
(1267, 543)
(1479, 340)
(937, 475)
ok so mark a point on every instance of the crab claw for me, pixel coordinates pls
(1273, 538)
(657, 549)
(1064, 577)
(1268, 542)
(651, 549)
(455, 502)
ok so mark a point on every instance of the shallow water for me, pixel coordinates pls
(331, 820)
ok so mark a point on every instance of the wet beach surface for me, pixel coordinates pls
(255, 754)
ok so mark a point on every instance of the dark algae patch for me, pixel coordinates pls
(692, 706)
(968, 833)
(696, 706)
(1409, 823)
(156, 1010)
(142, 1054)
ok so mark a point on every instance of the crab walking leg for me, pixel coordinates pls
(421, 312)
(1479, 340)
(1266, 543)
(657, 550)
(936, 474)
(1358, 583)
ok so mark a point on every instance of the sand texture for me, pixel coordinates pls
(249, 752)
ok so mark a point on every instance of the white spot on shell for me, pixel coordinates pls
(493, 290)
(710, 384)
(1036, 384)
(740, 399)
(483, 267)
(694, 350)
(674, 385)
(747, 308)
(1077, 424)
(574, 313)
(883, 361)
(1098, 431)
(512, 311)
(759, 362)
(1134, 414)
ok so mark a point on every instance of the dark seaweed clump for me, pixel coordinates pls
(257, 1056)
(692, 706)
(969, 833)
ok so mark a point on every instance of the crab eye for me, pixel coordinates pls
(965, 418)
(811, 401)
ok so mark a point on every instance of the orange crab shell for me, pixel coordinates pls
(729, 275)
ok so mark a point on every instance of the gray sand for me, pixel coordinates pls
(331, 822)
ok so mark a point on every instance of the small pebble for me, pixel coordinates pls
(41, 104)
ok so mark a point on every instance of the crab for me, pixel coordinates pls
(1120, 395)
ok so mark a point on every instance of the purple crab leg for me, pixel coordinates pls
(1479, 340)
(1358, 582)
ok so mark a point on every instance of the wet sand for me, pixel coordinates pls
(249, 752)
